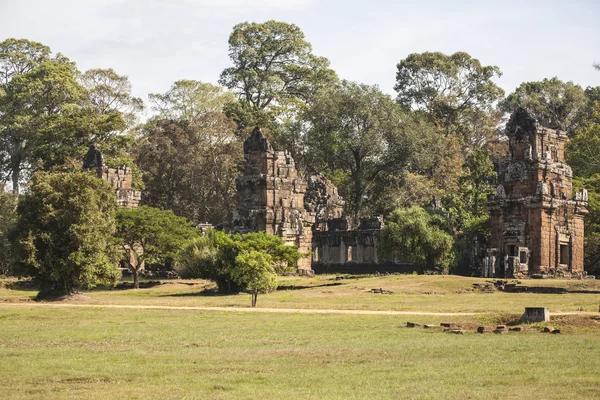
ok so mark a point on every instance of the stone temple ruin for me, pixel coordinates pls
(120, 178)
(536, 219)
(273, 198)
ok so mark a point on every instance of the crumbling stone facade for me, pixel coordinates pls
(120, 178)
(273, 198)
(537, 222)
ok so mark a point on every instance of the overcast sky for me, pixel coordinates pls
(156, 42)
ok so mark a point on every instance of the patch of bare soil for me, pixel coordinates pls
(72, 298)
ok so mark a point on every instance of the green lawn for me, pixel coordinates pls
(156, 354)
(411, 293)
(103, 353)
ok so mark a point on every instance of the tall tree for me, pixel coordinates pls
(360, 135)
(189, 100)
(149, 235)
(45, 118)
(66, 220)
(550, 99)
(416, 236)
(109, 92)
(273, 65)
(8, 218)
(191, 168)
(454, 90)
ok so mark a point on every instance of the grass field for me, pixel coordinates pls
(103, 353)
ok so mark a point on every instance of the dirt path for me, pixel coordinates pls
(236, 309)
(264, 310)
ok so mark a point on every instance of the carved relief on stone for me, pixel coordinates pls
(500, 193)
(528, 151)
(542, 189)
(516, 171)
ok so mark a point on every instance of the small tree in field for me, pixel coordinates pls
(254, 271)
(214, 257)
(147, 234)
(66, 221)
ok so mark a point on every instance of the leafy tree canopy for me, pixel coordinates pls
(273, 65)
(191, 168)
(455, 91)
(66, 220)
(150, 235)
(550, 99)
(415, 236)
(360, 131)
(215, 257)
(189, 100)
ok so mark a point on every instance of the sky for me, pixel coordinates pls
(156, 42)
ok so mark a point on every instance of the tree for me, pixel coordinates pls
(582, 155)
(66, 220)
(273, 65)
(191, 168)
(214, 256)
(8, 218)
(415, 236)
(455, 91)
(149, 235)
(360, 134)
(550, 99)
(254, 270)
(189, 100)
(109, 92)
(46, 117)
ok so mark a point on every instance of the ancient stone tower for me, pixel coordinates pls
(271, 197)
(120, 178)
(536, 219)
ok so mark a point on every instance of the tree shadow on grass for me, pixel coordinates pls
(215, 292)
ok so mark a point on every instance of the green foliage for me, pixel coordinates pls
(47, 118)
(359, 132)
(188, 100)
(582, 150)
(108, 92)
(254, 271)
(191, 168)
(66, 220)
(215, 257)
(8, 219)
(550, 99)
(592, 220)
(150, 235)
(416, 236)
(273, 65)
(455, 91)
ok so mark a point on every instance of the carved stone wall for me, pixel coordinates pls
(536, 219)
(271, 197)
(120, 179)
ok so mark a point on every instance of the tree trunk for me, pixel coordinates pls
(15, 159)
(254, 296)
(136, 279)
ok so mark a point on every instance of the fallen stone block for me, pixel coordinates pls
(429, 326)
(535, 314)
(484, 329)
(500, 331)
(516, 329)
(548, 329)
(413, 325)
(448, 324)
(556, 331)
(502, 328)
(456, 331)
